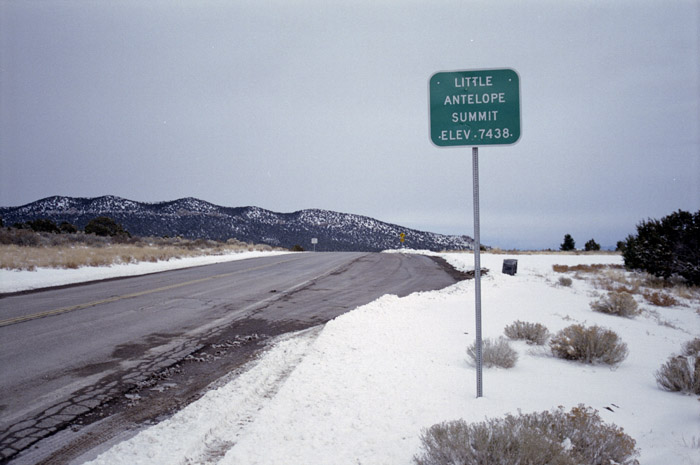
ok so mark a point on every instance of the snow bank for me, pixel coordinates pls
(362, 389)
(14, 281)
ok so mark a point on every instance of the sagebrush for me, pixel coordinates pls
(532, 333)
(657, 291)
(550, 437)
(495, 353)
(680, 374)
(692, 347)
(589, 345)
(564, 281)
(616, 303)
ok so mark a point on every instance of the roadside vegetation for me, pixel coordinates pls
(617, 303)
(532, 333)
(567, 438)
(499, 251)
(43, 244)
(593, 345)
(668, 248)
(681, 373)
(495, 353)
(661, 272)
(627, 288)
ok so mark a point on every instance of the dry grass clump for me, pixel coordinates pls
(594, 268)
(617, 281)
(589, 345)
(660, 299)
(554, 437)
(90, 250)
(532, 333)
(614, 278)
(686, 292)
(656, 291)
(616, 303)
(495, 353)
(609, 277)
(499, 251)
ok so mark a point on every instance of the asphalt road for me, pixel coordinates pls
(121, 352)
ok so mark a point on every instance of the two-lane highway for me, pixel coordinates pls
(66, 353)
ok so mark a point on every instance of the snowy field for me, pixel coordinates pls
(360, 389)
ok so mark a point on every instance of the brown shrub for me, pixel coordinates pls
(616, 303)
(533, 333)
(556, 437)
(589, 345)
(495, 353)
(660, 299)
(680, 374)
(564, 281)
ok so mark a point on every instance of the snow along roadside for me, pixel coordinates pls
(373, 378)
(204, 431)
(16, 280)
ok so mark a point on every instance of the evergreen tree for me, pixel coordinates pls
(43, 225)
(105, 226)
(67, 228)
(568, 244)
(666, 247)
(591, 246)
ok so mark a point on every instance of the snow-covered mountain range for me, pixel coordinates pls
(193, 218)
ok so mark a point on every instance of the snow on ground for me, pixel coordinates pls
(14, 281)
(360, 389)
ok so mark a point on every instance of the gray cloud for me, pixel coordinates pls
(291, 105)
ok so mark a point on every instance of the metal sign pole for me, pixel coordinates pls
(475, 108)
(477, 272)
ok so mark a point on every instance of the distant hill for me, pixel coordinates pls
(193, 218)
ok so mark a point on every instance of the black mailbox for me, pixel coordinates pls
(510, 266)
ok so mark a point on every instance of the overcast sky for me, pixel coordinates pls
(289, 105)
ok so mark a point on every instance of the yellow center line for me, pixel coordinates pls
(59, 311)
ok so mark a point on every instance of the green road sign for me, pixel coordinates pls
(473, 108)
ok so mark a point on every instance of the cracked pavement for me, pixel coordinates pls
(152, 344)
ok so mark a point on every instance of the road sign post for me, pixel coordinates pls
(477, 273)
(475, 108)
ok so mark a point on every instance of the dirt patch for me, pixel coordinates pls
(454, 272)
